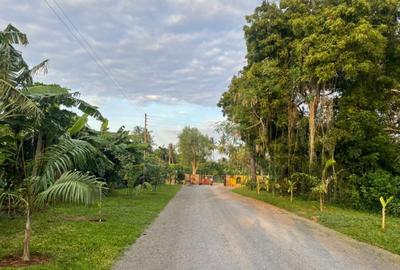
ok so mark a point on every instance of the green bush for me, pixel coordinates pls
(377, 184)
(305, 183)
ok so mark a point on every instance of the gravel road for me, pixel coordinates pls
(206, 227)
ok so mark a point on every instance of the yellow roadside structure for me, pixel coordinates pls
(239, 180)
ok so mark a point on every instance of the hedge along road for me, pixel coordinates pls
(209, 227)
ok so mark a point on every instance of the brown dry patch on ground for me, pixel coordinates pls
(16, 261)
(315, 218)
(84, 218)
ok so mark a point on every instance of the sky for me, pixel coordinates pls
(171, 59)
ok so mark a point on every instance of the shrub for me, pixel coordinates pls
(380, 184)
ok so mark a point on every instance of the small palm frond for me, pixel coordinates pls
(67, 155)
(72, 187)
(13, 101)
(8, 196)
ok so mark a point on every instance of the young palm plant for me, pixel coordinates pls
(57, 181)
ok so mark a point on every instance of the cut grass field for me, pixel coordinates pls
(72, 241)
(361, 226)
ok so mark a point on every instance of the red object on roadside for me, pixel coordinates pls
(206, 181)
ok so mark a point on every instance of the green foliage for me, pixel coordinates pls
(315, 99)
(72, 187)
(78, 125)
(212, 168)
(48, 154)
(194, 147)
(384, 202)
(13, 68)
(141, 187)
(305, 182)
(14, 102)
(67, 155)
(380, 184)
(292, 186)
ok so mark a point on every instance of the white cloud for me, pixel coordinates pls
(152, 97)
(157, 51)
(174, 19)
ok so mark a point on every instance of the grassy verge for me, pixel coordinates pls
(362, 226)
(73, 242)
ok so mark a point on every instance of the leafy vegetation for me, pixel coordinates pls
(318, 100)
(48, 153)
(194, 147)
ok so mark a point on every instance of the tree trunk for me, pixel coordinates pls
(258, 186)
(291, 195)
(321, 202)
(9, 207)
(292, 117)
(38, 154)
(253, 169)
(194, 168)
(313, 106)
(27, 238)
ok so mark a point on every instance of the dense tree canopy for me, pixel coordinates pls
(320, 82)
(194, 147)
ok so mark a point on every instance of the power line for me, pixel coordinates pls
(91, 51)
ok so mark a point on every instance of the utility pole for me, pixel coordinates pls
(145, 141)
(145, 134)
(145, 128)
(170, 154)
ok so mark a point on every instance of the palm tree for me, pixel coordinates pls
(57, 181)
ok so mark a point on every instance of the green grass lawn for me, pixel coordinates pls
(362, 226)
(63, 233)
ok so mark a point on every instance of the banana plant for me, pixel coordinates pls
(275, 185)
(322, 187)
(292, 187)
(267, 184)
(384, 203)
(15, 76)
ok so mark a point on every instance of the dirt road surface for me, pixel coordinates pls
(209, 227)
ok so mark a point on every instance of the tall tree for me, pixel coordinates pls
(194, 147)
(321, 81)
